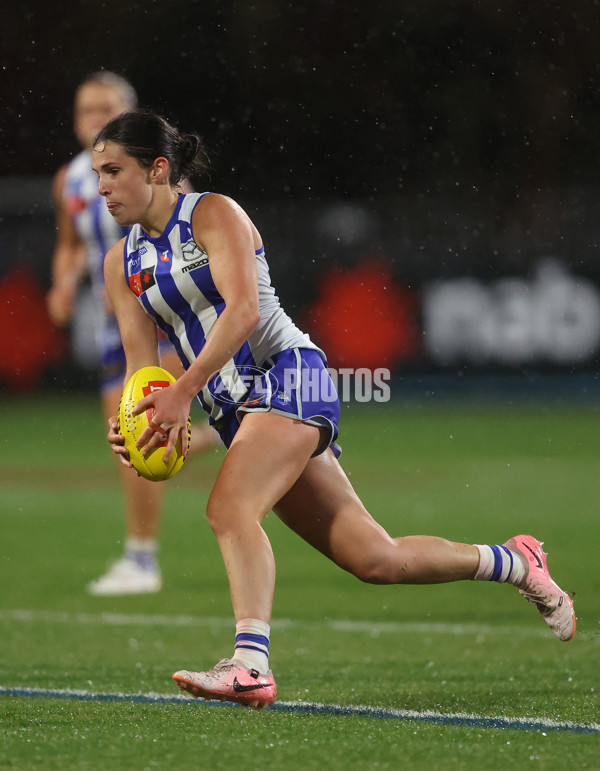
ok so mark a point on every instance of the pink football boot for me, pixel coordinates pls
(230, 680)
(538, 587)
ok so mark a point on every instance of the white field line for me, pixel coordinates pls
(380, 713)
(372, 628)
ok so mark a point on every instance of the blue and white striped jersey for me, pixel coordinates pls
(93, 222)
(171, 277)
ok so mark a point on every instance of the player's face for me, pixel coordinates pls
(123, 182)
(95, 105)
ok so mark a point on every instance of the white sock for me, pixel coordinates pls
(141, 544)
(499, 563)
(252, 644)
(143, 551)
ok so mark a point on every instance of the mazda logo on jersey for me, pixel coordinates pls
(142, 281)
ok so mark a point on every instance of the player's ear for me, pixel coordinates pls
(159, 171)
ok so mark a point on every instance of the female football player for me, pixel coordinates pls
(85, 232)
(194, 265)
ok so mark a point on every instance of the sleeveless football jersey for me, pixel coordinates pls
(171, 277)
(93, 222)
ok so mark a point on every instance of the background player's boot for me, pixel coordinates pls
(126, 577)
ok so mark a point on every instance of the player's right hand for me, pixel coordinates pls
(117, 441)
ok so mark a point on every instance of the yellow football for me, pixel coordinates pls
(141, 384)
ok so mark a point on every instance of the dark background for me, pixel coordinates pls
(445, 138)
(314, 99)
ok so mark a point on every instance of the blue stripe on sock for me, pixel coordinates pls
(497, 563)
(510, 556)
(256, 638)
(252, 648)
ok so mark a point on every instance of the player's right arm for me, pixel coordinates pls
(138, 333)
(69, 261)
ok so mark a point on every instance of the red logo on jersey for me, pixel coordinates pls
(165, 257)
(140, 282)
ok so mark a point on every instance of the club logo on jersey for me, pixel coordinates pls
(142, 281)
(191, 251)
(135, 262)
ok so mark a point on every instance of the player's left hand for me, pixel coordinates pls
(170, 420)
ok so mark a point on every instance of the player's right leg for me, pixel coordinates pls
(265, 458)
(230, 680)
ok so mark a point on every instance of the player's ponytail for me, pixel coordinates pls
(146, 136)
(193, 158)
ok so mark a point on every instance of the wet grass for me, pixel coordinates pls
(475, 474)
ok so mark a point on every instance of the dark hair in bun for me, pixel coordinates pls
(146, 136)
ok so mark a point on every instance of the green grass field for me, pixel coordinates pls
(477, 474)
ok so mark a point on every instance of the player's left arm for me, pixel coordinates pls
(225, 232)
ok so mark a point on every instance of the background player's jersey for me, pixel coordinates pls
(93, 222)
(171, 277)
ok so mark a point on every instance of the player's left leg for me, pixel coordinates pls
(324, 509)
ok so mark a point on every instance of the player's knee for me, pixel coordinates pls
(220, 516)
(374, 574)
(227, 516)
(379, 567)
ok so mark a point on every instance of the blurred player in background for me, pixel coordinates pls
(85, 232)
